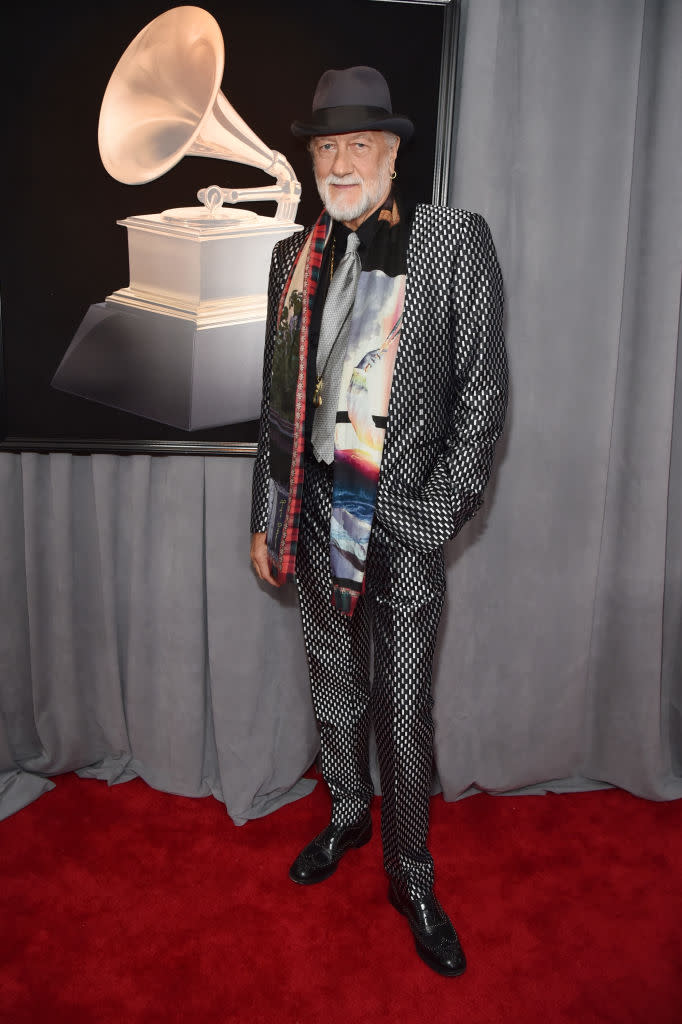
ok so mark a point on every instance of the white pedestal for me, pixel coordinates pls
(183, 343)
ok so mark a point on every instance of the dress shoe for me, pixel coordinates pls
(435, 938)
(321, 857)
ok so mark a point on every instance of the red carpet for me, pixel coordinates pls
(127, 905)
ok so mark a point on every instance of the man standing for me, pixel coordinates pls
(384, 392)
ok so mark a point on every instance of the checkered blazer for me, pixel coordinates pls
(449, 391)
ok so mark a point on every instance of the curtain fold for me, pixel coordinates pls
(135, 638)
(672, 597)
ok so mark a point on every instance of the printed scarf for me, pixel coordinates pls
(362, 410)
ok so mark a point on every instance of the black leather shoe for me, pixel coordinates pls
(320, 858)
(435, 938)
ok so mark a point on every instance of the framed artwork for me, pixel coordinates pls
(133, 313)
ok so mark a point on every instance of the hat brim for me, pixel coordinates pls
(344, 122)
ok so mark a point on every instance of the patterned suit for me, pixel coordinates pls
(446, 411)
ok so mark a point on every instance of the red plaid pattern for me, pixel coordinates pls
(283, 561)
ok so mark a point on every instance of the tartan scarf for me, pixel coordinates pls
(362, 409)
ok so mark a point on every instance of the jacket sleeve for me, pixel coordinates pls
(453, 491)
(261, 469)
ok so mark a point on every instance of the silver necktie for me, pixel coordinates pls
(331, 349)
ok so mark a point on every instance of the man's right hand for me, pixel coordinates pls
(259, 559)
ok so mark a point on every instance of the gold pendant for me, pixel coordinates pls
(317, 393)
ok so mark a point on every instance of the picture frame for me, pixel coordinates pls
(62, 247)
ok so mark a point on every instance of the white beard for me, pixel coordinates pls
(373, 191)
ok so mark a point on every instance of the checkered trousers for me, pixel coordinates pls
(401, 607)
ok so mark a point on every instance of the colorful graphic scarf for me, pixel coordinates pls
(362, 411)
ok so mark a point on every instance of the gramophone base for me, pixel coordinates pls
(166, 368)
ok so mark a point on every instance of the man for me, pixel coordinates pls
(384, 392)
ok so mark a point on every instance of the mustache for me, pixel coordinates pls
(347, 179)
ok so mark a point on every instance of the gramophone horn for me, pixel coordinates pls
(163, 102)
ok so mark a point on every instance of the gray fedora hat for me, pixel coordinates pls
(352, 100)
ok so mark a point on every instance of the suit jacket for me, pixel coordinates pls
(449, 391)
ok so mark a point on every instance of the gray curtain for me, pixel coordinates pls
(135, 640)
(565, 614)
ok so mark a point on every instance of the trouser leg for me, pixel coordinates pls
(337, 649)
(406, 603)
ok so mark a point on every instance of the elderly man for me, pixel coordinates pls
(384, 392)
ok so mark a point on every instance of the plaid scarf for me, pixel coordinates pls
(362, 411)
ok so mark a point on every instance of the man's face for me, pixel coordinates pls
(353, 173)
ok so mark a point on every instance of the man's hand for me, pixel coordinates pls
(259, 559)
